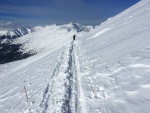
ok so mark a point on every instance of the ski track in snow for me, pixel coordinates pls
(66, 77)
(73, 100)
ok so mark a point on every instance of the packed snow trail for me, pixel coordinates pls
(80, 95)
(72, 103)
(63, 92)
(75, 94)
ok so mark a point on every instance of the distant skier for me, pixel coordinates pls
(74, 37)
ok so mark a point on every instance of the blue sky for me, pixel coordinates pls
(87, 12)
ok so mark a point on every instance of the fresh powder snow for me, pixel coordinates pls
(105, 70)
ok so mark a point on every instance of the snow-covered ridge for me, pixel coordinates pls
(12, 30)
(8, 30)
(6, 35)
(15, 33)
(78, 27)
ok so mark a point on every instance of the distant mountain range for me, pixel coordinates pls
(9, 31)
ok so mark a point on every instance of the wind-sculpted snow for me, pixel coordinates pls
(106, 70)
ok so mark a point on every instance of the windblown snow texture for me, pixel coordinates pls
(106, 70)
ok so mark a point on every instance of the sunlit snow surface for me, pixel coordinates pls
(104, 71)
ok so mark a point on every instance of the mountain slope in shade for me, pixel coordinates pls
(106, 70)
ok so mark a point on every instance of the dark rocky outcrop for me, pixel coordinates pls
(11, 52)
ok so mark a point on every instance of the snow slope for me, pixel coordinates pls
(106, 70)
(116, 63)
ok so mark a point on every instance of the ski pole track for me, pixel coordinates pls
(70, 96)
(56, 70)
(46, 95)
(33, 94)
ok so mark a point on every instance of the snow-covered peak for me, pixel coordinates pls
(11, 30)
(38, 28)
(14, 33)
(8, 23)
(78, 27)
